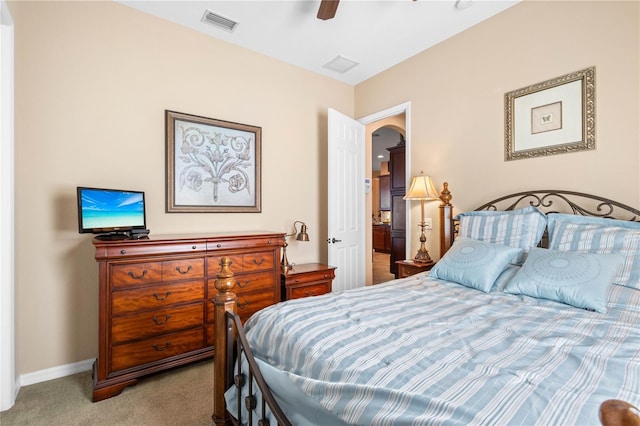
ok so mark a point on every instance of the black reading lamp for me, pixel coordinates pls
(301, 236)
(422, 189)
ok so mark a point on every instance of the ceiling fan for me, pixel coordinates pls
(327, 9)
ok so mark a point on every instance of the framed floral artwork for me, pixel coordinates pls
(213, 166)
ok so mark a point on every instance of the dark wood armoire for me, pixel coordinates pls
(398, 204)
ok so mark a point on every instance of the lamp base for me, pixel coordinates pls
(423, 255)
(285, 266)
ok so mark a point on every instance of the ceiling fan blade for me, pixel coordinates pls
(327, 9)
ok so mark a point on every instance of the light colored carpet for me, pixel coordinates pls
(182, 396)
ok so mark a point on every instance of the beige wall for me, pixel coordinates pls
(92, 82)
(457, 89)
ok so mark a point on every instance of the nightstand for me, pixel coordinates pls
(409, 267)
(307, 279)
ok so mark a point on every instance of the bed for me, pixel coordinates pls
(500, 331)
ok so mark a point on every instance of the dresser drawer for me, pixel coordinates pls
(247, 304)
(211, 334)
(182, 269)
(309, 290)
(213, 264)
(137, 353)
(244, 283)
(153, 323)
(272, 241)
(135, 274)
(146, 248)
(252, 282)
(157, 296)
(259, 261)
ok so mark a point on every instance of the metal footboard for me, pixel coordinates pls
(239, 349)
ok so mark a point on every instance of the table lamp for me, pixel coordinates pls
(301, 236)
(422, 189)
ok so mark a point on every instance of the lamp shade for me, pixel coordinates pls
(422, 189)
(302, 235)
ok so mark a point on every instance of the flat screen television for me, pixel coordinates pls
(110, 213)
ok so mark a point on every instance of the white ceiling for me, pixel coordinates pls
(375, 33)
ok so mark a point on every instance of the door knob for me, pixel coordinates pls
(333, 241)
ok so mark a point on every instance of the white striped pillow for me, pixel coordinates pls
(522, 228)
(585, 234)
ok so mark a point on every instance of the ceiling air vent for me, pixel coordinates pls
(340, 64)
(219, 21)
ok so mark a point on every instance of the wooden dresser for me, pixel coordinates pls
(155, 309)
(381, 238)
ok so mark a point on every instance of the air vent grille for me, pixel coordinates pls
(219, 21)
(341, 64)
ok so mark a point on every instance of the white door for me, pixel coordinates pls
(346, 236)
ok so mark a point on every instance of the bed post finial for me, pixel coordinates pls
(445, 195)
(224, 301)
(446, 222)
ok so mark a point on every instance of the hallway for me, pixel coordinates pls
(381, 268)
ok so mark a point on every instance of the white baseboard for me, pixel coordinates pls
(54, 373)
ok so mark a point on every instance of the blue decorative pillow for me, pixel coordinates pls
(586, 234)
(521, 228)
(474, 263)
(577, 279)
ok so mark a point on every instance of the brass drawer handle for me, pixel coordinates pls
(243, 304)
(161, 348)
(123, 251)
(241, 285)
(166, 318)
(260, 262)
(161, 298)
(183, 272)
(137, 277)
(313, 293)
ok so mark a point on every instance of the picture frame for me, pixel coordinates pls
(212, 166)
(555, 116)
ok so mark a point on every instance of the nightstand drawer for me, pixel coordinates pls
(407, 268)
(309, 290)
(308, 279)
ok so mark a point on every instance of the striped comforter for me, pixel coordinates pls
(425, 351)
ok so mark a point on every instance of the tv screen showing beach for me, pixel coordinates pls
(106, 209)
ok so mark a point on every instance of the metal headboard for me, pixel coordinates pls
(556, 201)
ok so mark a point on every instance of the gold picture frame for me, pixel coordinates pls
(213, 166)
(556, 116)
